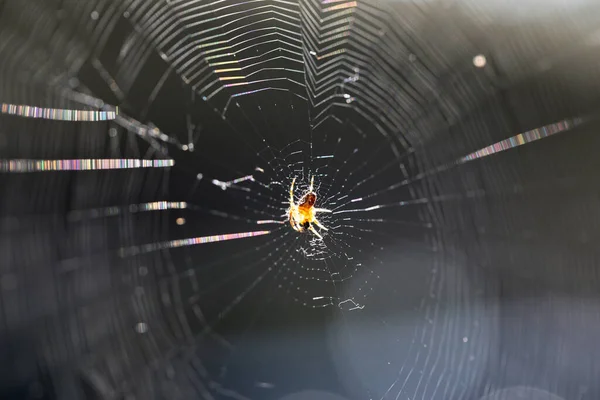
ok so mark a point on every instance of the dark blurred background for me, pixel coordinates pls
(442, 275)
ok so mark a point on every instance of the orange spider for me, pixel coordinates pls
(304, 214)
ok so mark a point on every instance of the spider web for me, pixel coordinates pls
(161, 139)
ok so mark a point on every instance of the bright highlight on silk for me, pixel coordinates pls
(188, 242)
(57, 113)
(22, 166)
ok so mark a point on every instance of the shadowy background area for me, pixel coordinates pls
(455, 141)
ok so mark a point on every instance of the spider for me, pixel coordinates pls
(303, 215)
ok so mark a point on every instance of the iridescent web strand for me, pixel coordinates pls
(189, 242)
(57, 113)
(132, 208)
(22, 166)
(523, 138)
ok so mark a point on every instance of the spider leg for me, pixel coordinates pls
(312, 181)
(293, 223)
(317, 210)
(292, 192)
(314, 231)
(317, 223)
